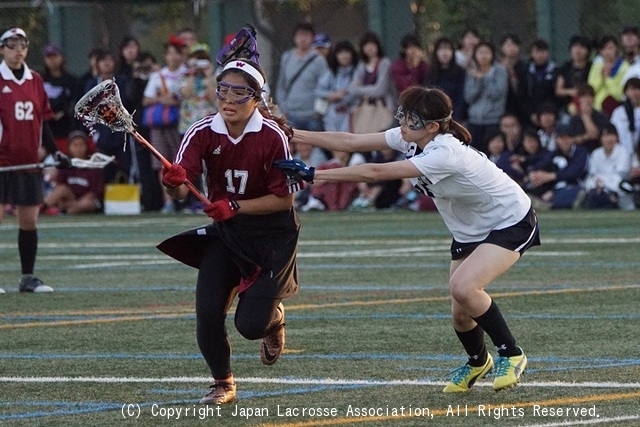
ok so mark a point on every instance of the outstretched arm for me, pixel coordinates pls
(368, 172)
(342, 141)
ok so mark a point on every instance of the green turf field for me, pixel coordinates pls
(368, 338)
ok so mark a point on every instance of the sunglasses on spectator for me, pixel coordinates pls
(232, 93)
(14, 42)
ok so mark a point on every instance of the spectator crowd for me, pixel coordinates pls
(567, 133)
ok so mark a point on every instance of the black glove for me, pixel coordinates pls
(296, 169)
(62, 160)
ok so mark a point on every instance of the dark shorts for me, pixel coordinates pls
(519, 237)
(21, 188)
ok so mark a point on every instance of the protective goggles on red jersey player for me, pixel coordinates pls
(232, 93)
(13, 42)
(413, 121)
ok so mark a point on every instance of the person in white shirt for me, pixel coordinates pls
(489, 215)
(626, 117)
(608, 166)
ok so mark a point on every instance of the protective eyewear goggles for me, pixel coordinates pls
(14, 42)
(236, 94)
(414, 121)
(411, 119)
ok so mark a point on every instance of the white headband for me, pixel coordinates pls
(13, 32)
(247, 68)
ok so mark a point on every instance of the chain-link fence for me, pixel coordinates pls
(81, 25)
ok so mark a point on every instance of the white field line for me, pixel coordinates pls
(361, 242)
(306, 381)
(587, 422)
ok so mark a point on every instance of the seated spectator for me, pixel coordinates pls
(555, 181)
(608, 165)
(512, 128)
(587, 124)
(528, 153)
(497, 146)
(312, 156)
(626, 117)
(381, 194)
(631, 185)
(76, 190)
(334, 196)
(547, 116)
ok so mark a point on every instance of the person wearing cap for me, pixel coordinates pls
(62, 89)
(322, 44)
(572, 73)
(556, 180)
(198, 89)
(26, 136)
(76, 190)
(250, 249)
(488, 214)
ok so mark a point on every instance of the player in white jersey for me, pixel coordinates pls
(489, 215)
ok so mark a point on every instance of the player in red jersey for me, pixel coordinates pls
(251, 247)
(26, 137)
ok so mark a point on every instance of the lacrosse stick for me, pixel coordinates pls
(243, 45)
(96, 161)
(103, 105)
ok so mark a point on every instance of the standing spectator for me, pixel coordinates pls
(410, 68)
(606, 76)
(372, 78)
(77, 190)
(61, 87)
(572, 73)
(630, 43)
(446, 74)
(300, 71)
(24, 112)
(587, 123)
(198, 90)
(188, 36)
(92, 71)
(510, 52)
(626, 117)
(322, 44)
(250, 248)
(162, 88)
(128, 51)
(608, 166)
(537, 84)
(485, 91)
(151, 196)
(333, 87)
(556, 181)
(467, 45)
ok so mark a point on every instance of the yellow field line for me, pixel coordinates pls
(471, 409)
(162, 314)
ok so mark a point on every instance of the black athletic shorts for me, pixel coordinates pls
(21, 188)
(518, 237)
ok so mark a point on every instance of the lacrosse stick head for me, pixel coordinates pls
(243, 46)
(102, 104)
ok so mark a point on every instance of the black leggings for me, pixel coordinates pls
(255, 318)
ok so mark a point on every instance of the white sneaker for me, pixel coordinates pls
(2, 291)
(313, 204)
(33, 284)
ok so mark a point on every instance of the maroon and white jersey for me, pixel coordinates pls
(24, 106)
(239, 168)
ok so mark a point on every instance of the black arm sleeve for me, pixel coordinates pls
(48, 141)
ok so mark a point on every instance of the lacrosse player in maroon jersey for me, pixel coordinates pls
(24, 110)
(251, 246)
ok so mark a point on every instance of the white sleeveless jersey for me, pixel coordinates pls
(473, 195)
